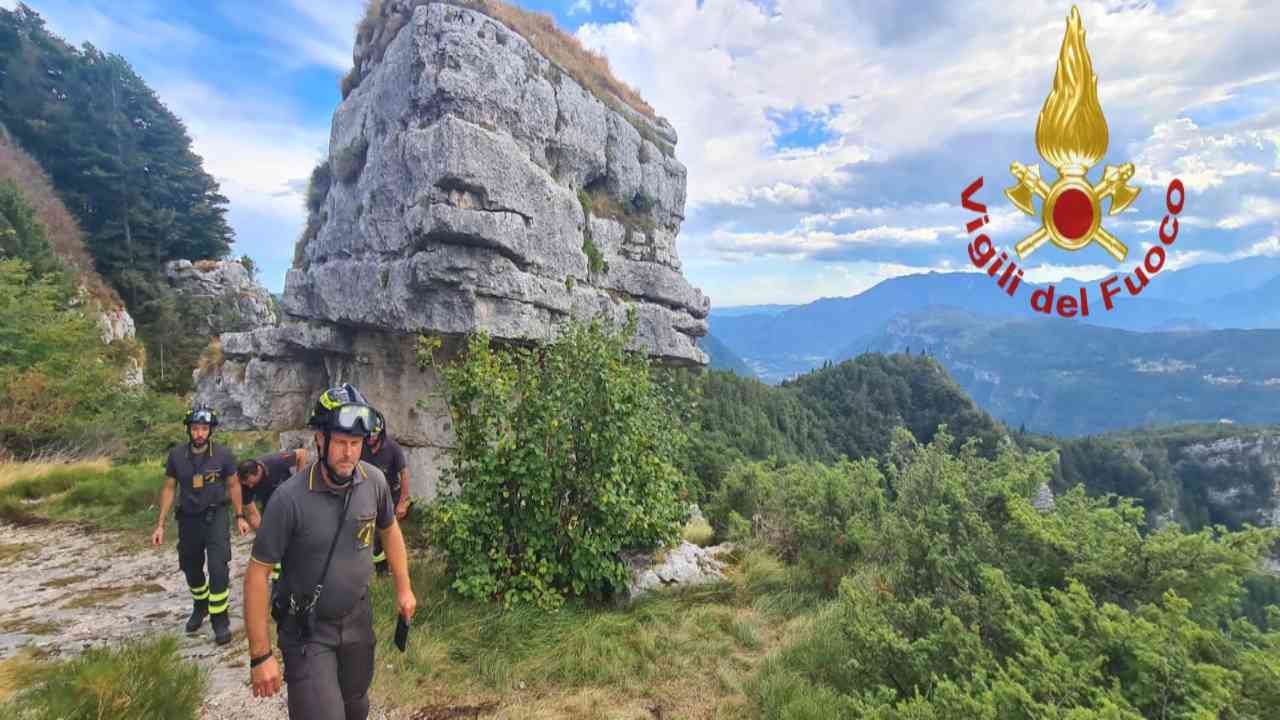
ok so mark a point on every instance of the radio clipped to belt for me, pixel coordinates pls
(294, 616)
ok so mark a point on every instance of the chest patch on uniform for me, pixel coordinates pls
(364, 531)
(197, 481)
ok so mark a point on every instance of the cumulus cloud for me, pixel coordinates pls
(911, 106)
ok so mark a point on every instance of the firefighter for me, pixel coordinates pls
(320, 525)
(386, 454)
(260, 477)
(204, 477)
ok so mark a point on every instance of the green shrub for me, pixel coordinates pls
(56, 374)
(22, 235)
(139, 680)
(318, 187)
(699, 532)
(565, 458)
(815, 516)
(349, 161)
(969, 602)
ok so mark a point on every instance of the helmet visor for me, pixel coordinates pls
(353, 419)
(204, 417)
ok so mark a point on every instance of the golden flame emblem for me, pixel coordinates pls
(1071, 135)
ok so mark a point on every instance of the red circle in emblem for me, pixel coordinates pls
(1073, 213)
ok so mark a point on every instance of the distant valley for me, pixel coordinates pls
(1185, 351)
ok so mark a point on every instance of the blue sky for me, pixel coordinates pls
(826, 142)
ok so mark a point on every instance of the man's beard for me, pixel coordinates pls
(199, 444)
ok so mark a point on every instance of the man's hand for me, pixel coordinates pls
(243, 526)
(300, 458)
(402, 509)
(408, 603)
(157, 537)
(255, 520)
(266, 678)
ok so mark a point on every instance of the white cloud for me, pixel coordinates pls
(798, 243)
(580, 7)
(261, 156)
(904, 92)
(1253, 209)
(1202, 160)
(1050, 273)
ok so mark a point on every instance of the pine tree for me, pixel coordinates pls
(120, 160)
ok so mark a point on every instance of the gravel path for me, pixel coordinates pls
(66, 588)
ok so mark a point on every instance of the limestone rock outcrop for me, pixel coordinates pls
(472, 185)
(224, 297)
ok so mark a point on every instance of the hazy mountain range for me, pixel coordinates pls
(1197, 344)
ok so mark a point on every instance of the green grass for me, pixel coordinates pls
(699, 532)
(690, 652)
(139, 680)
(122, 497)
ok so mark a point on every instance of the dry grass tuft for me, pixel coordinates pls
(17, 672)
(212, 357)
(13, 472)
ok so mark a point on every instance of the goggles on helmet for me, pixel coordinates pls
(204, 417)
(352, 419)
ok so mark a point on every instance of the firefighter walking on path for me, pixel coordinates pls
(320, 525)
(203, 475)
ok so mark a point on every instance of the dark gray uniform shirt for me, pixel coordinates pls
(202, 476)
(300, 522)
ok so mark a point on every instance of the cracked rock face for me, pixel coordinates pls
(475, 186)
(235, 301)
(460, 169)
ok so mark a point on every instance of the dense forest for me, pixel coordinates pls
(120, 161)
(850, 410)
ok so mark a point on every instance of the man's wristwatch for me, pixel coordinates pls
(256, 661)
(240, 516)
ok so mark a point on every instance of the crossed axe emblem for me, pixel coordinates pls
(1072, 207)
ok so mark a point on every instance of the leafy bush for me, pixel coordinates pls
(61, 387)
(564, 458)
(969, 602)
(138, 680)
(22, 235)
(815, 516)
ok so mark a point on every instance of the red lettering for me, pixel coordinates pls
(1166, 239)
(995, 266)
(1067, 306)
(976, 223)
(1107, 294)
(1168, 196)
(1045, 294)
(1155, 249)
(1084, 302)
(983, 256)
(1128, 282)
(1014, 285)
(968, 193)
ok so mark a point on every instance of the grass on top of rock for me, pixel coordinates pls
(589, 68)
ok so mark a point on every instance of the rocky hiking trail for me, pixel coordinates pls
(67, 587)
